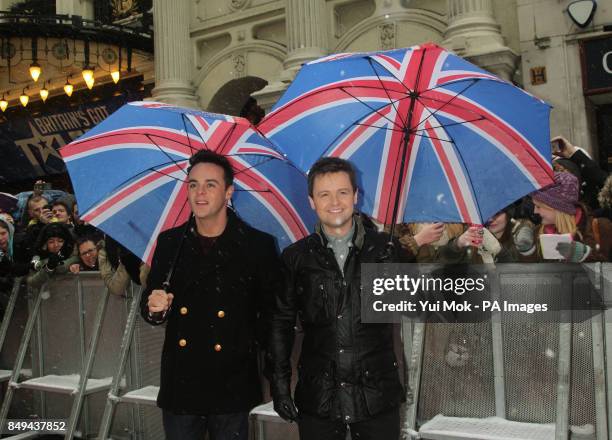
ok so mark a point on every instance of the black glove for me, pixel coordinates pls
(53, 261)
(285, 407)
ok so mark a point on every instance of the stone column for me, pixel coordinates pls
(306, 27)
(474, 33)
(305, 24)
(173, 54)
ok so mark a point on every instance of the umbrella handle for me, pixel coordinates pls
(160, 316)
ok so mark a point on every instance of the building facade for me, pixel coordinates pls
(241, 48)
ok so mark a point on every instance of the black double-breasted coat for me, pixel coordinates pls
(217, 321)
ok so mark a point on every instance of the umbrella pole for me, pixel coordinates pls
(159, 316)
(404, 150)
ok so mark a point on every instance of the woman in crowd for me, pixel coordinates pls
(54, 254)
(561, 213)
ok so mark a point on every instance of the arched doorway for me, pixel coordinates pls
(232, 97)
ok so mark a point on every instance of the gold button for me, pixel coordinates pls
(183, 310)
(182, 342)
(217, 347)
(221, 314)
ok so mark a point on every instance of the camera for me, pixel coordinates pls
(36, 263)
(42, 186)
(557, 145)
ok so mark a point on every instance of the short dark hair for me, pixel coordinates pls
(207, 156)
(327, 165)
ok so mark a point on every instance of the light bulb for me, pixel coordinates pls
(35, 71)
(90, 82)
(68, 88)
(44, 94)
(24, 99)
(115, 75)
(87, 73)
(3, 104)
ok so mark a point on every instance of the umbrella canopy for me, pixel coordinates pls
(433, 137)
(8, 202)
(129, 174)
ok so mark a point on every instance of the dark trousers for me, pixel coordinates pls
(219, 426)
(380, 427)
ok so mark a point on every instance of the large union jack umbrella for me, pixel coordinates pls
(129, 174)
(433, 137)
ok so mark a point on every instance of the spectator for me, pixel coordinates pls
(88, 255)
(118, 266)
(591, 177)
(558, 206)
(425, 239)
(54, 249)
(62, 212)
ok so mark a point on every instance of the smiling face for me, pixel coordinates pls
(54, 244)
(333, 199)
(548, 214)
(88, 253)
(208, 195)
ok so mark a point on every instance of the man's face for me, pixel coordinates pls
(208, 194)
(60, 212)
(35, 209)
(4, 236)
(88, 253)
(54, 244)
(333, 199)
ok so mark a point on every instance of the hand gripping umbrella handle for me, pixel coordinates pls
(160, 316)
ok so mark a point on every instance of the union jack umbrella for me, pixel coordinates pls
(433, 137)
(129, 174)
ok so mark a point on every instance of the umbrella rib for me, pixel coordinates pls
(370, 107)
(443, 105)
(163, 151)
(452, 82)
(467, 171)
(266, 160)
(121, 185)
(387, 92)
(183, 117)
(431, 137)
(449, 125)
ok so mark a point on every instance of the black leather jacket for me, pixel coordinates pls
(347, 369)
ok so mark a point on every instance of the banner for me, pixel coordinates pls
(30, 139)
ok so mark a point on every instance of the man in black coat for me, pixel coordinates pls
(219, 296)
(348, 373)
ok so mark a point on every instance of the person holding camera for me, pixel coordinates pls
(53, 254)
(574, 160)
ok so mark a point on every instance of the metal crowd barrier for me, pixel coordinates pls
(505, 378)
(71, 339)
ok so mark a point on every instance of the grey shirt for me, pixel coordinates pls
(341, 246)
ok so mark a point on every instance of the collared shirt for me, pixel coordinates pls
(341, 246)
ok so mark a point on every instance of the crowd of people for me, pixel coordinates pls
(230, 295)
(577, 206)
(48, 238)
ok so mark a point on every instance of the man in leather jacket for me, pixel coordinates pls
(347, 373)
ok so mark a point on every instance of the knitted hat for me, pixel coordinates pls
(569, 166)
(561, 195)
